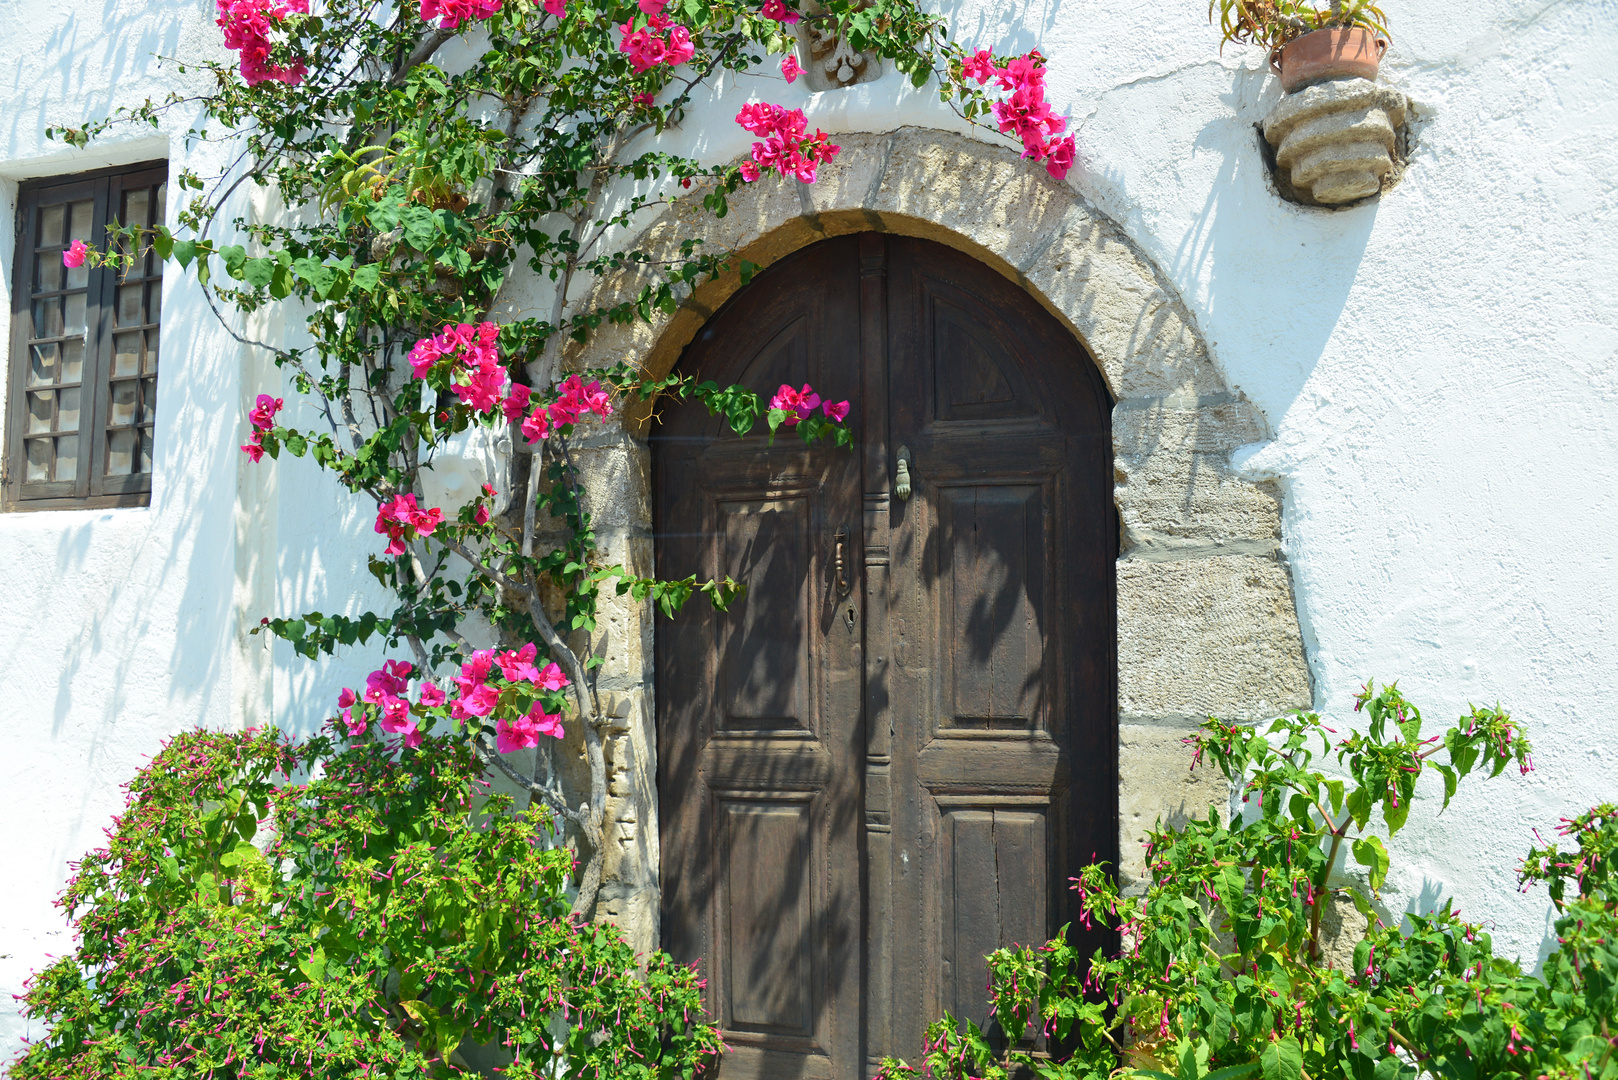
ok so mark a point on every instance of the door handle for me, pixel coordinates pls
(840, 560)
(901, 475)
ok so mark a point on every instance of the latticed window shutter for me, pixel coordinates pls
(82, 393)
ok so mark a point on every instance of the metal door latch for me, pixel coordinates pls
(840, 562)
(901, 479)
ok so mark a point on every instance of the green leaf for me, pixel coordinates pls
(1359, 804)
(1370, 853)
(1395, 811)
(1334, 790)
(1450, 780)
(258, 272)
(184, 251)
(163, 242)
(234, 256)
(1234, 1072)
(314, 968)
(1283, 1060)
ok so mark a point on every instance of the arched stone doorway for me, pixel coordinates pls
(886, 760)
(1206, 622)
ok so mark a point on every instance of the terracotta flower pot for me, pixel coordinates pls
(1354, 53)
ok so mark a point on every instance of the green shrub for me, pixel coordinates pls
(360, 922)
(1223, 973)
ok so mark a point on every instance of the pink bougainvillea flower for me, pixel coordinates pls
(680, 47)
(451, 12)
(481, 701)
(73, 257)
(777, 10)
(516, 403)
(784, 146)
(749, 171)
(556, 7)
(513, 735)
(356, 721)
(797, 404)
(431, 696)
(264, 409)
(790, 67)
(517, 665)
(400, 516)
(550, 677)
(346, 698)
(537, 426)
(835, 411)
(545, 723)
(481, 515)
(1059, 157)
(979, 66)
(247, 25)
(475, 671)
(477, 376)
(252, 448)
(642, 100)
(524, 731)
(652, 7)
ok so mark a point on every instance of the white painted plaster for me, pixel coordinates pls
(1440, 370)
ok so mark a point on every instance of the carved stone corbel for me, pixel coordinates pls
(829, 61)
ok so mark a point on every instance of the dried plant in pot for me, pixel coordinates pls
(1336, 132)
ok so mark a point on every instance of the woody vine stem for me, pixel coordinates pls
(431, 154)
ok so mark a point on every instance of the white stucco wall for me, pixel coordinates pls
(1438, 369)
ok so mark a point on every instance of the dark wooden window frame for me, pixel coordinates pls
(91, 488)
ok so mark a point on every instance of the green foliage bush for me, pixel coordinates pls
(1223, 971)
(267, 908)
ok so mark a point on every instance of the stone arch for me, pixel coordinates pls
(1206, 618)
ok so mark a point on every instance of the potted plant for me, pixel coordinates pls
(1309, 44)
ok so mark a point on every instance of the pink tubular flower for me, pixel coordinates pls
(777, 10)
(73, 257)
(790, 67)
(835, 411)
(451, 12)
(247, 25)
(979, 66)
(797, 404)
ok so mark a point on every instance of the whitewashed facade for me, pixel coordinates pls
(1437, 370)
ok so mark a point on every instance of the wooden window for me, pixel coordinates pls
(82, 391)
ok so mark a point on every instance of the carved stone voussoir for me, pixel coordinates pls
(1339, 140)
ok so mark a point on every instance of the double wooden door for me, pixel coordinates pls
(889, 757)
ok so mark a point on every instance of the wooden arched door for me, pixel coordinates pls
(888, 758)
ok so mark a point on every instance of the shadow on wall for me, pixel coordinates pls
(1278, 273)
(88, 64)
